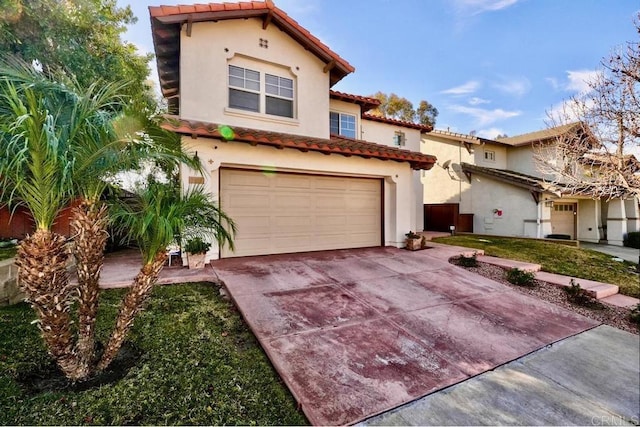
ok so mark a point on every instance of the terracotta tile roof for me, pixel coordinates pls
(402, 123)
(166, 22)
(366, 103)
(336, 145)
(544, 135)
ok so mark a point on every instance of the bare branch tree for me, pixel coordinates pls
(595, 154)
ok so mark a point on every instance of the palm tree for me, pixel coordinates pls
(61, 145)
(158, 214)
(34, 172)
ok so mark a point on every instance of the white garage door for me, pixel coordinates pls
(283, 213)
(563, 219)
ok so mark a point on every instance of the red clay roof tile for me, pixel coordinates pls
(366, 103)
(337, 144)
(411, 125)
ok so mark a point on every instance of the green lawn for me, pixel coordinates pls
(200, 364)
(555, 258)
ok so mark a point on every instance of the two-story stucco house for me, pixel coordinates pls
(304, 168)
(498, 183)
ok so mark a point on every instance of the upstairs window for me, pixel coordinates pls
(252, 90)
(490, 156)
(279, 98)
(342, 124)
(244, 89)
(399, 139)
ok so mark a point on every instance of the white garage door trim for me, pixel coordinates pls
(292, 212)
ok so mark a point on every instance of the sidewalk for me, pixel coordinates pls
(627, 254)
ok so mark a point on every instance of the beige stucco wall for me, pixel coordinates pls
(399, 202)
(204, 60)
(519, 210)
(500, 156)
(383, 133)
(447, 185)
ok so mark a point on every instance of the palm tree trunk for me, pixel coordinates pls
(89, 228)
(42, 275)
(132, 304)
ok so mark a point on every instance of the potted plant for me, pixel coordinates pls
(196, 249)
(413, 242)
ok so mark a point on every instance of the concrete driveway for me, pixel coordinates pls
(355, 333)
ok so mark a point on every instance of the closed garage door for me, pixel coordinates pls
(282, 212)
(563, 219)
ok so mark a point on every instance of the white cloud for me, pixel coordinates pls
(484, 117)
(578, 80)
(490, 133)
(553, 82)
(516, 86)
(477, 101)
(464, 89)
(475, 7)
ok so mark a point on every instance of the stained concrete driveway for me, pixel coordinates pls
(355, 333)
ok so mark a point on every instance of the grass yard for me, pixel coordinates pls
(555, 258)
(199, 364)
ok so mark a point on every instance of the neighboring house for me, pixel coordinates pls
(304, 167)
(497, 182)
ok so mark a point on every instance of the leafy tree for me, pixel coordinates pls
(394, 107)
(596, 156)
(81, 37)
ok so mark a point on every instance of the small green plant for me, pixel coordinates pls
(634, 316)
(577, 295)
(520, 277)
(197, 246)
(412, 235)
(468, 261)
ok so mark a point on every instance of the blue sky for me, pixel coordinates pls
(490, 66)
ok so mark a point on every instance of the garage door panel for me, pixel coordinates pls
(242, 179)
(296, 182)
(294, 213)
(249, 200)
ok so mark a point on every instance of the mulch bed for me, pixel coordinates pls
(618, 317)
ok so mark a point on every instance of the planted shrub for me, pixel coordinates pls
(576, 294)
(468, 261)
(635, 314)
(520, 277)
(632, 239)
(197, 246)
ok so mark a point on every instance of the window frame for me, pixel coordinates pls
(489, 156)
(283, 86)
(399, 139)
(340, 124)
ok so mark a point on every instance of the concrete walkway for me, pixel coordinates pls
(589, 379)
(627, 254)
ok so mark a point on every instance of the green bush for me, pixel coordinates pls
(468, 261)
(197, 246)
(520, 277)
(632, 239)
(576, 294)
(635, 314)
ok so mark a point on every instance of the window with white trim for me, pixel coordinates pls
(246, 92)
(489, 156)
(399, 139)
(342, 124)
(244, 89)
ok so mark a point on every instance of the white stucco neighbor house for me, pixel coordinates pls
(497, 183)
(304, 168)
